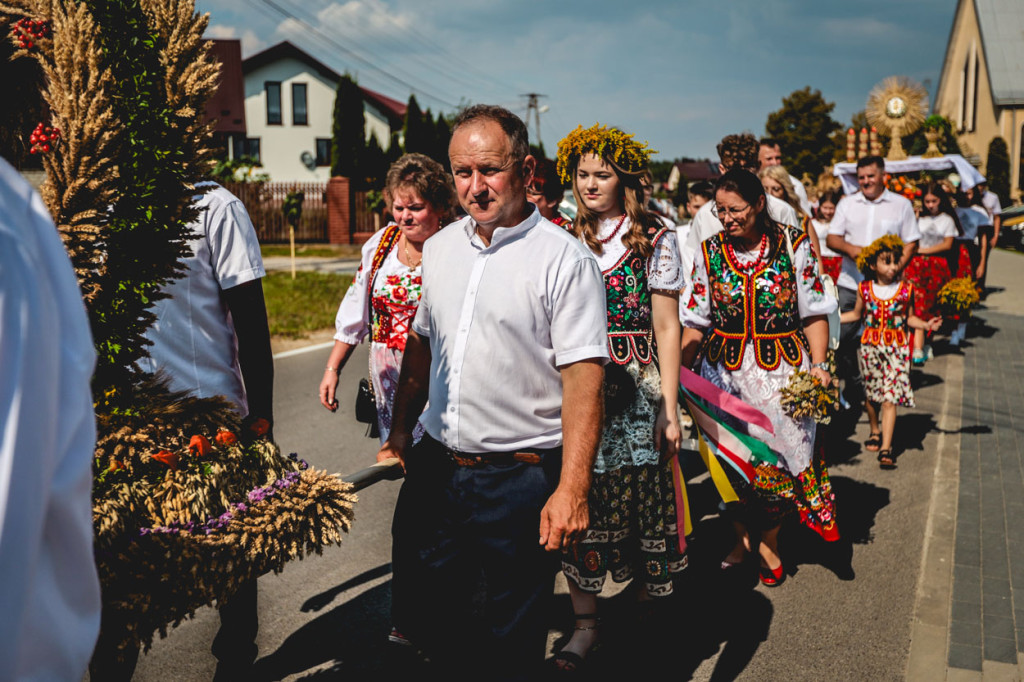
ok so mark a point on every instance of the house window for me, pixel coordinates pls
(273, 89)
(247, 147)
(299, 109)
(323, 151)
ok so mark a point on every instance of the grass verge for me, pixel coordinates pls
(312, 250)
(306, 304)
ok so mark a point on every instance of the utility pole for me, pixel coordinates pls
(533, 104)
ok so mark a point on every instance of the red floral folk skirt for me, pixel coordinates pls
(927, 274)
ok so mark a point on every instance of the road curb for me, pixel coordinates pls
(929, 635)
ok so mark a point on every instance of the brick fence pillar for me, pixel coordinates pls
(339, 211)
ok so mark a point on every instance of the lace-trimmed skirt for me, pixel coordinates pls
(633, 531)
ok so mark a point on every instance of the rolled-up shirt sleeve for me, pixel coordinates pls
(579, 327)
(234, 247)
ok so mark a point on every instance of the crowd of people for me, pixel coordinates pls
(538, 392)
(524, 369)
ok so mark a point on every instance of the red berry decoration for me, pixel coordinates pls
(42, 137)
(27, 32)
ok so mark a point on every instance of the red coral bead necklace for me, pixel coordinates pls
(748, 265)
(618, 227)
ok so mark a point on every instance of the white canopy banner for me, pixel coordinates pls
(969, 175)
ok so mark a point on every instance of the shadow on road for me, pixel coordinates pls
(698, 622)
(347, 642)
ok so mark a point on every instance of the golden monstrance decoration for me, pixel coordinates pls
(897, 107)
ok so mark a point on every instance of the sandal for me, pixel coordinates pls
(886, 460)
(571, 662)
(873, 442)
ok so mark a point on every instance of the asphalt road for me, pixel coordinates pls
(843, 614)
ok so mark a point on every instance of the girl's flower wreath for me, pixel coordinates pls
(611, 143)
(866, 257)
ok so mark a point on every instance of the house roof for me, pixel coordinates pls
(698, 170)
(227, 105)
(392, 108)
(1002, 36)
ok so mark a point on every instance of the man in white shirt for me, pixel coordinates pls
(860, 219)
(211, 337)
(50, 592)
(770, 154)
(509, 343)
(734, 151)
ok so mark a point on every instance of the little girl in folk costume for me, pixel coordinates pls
(633, 532)
(887, 306)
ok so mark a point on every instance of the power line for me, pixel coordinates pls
(354, 55)
(382, 60)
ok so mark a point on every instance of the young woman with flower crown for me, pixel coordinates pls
(633, 529)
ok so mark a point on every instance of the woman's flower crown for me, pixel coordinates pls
(611, 143)
(866, 257)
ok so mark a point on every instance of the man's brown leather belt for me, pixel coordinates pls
(494, 458)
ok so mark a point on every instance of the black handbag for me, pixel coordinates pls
(366, 407)
(619, 390)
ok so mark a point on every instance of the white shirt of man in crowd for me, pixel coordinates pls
(551, 314)
(194, 340)
(769, 155)
(863, 217)
(50, 592)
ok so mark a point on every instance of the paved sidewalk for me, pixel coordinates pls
(346, 265)
(969, 615)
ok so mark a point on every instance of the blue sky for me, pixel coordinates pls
(678, 73)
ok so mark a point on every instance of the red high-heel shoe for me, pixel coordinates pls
(772, 577)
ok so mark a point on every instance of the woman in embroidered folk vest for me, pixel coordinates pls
(383, 298)
(633, 531)
(756, 312)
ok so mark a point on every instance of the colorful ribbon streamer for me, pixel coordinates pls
(723, 400)
(684, 522)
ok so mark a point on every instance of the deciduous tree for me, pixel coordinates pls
(805, 129)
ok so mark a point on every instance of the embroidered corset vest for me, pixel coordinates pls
(885, 319)
(629, 310)
(755, 304)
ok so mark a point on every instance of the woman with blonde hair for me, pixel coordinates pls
(776, 181)
(633, 531)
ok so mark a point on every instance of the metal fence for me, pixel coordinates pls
(263, 202)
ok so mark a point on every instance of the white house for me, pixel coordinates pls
(289, 110)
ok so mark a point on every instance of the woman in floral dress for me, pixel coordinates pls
(633, 531)
(382, 299)
(756, 313)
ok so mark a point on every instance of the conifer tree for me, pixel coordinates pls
(348, 130)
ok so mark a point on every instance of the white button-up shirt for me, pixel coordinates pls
(193, 336)
(501, 320)
(50, 592)
(861, 221)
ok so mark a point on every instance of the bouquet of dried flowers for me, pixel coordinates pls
(956, 298)
(806, 396)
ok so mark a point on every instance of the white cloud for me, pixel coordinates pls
(251, 42)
